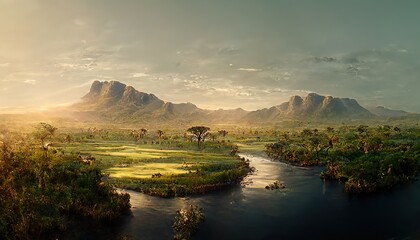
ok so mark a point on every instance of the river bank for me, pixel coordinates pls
(307, 208)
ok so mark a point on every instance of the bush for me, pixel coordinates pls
(40, 194)
(186, 222)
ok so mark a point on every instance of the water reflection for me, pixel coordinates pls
(307, 209)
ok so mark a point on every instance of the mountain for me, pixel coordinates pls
(118, 102)
(113, 94)
(386, 112)
(312, 106)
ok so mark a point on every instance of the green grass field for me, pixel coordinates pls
(131, 165)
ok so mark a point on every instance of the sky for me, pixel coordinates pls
(215, 54)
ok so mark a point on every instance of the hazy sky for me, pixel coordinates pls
(216, 54)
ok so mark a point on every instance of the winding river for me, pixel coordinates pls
(307, 208)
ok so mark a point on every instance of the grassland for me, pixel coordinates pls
(164, 168)
(172, 164)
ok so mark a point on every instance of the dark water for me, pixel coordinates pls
(307, 209)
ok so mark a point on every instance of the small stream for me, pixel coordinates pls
(307, 208)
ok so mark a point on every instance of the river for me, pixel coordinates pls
(307, 208)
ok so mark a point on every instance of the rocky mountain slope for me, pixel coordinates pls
(312, 106)
(118, 102)
(386, 112)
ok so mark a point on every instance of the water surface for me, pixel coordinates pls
(307, 208)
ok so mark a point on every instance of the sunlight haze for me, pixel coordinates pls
(215, 54)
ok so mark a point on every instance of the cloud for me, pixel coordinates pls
(226, 65)
(140, 74)
(71, 88)
(30, 81)
(250, 69)
(79, 22)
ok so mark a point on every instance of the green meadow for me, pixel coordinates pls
(180, 168)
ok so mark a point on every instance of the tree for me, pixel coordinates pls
(276, 150)
(315, 145)
(143, 132)
(223, 132)
(306, 132)
(67, 138)
(160, 134)
(212, 136)
(200, 133)
(187, 221)
(332, 141)
(361, 129)
(135, 134)
(44, 131)
(138, 134)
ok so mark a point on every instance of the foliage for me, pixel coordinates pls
(186, 222)
(275, 185)
(223, 132)
(200, 133)
(29, 210)
(44, 131)
(160, 133)
(138, 134)
(367, 159)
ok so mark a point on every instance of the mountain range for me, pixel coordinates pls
(116, 101)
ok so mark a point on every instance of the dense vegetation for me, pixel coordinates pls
(161, 162)
(367, 159)
(212, 168)
(186, 222)
(42, 191)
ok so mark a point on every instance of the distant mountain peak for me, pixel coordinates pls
(112, 93)
(382, 111)
(104, 89)
(116, 101)
(312, 106)
(295, 101)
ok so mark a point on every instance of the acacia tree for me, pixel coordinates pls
(44, 131)
(200, 133)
